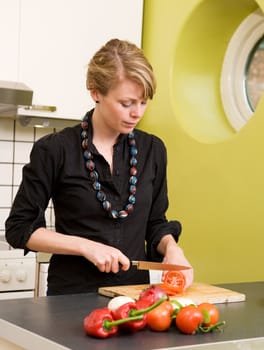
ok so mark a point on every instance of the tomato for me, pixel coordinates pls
(173, 282)
(210, 313)
(159, 319)
(189, 319)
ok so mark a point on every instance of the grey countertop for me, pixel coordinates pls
(56, 322)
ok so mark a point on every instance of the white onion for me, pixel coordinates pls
(182, 302)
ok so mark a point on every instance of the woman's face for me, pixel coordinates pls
(122, 108)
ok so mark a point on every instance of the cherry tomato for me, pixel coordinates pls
(189, 319)
(159, 319)
(173, 282)
(210, 313)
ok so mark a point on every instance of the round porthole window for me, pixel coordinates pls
(254, 77)
(242, 78)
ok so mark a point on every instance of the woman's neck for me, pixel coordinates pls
(101, 132)
(103, 139)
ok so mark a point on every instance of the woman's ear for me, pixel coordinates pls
(95, 96)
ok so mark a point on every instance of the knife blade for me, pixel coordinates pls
(150, 265)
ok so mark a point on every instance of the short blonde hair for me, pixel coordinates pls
(119, 59)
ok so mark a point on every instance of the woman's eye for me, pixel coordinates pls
(126, 104)
(129, 104)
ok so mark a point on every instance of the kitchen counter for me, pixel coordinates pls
(55, 323)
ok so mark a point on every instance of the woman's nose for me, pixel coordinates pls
(138, 111)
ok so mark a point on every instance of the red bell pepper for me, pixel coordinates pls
(100, 323)
(127, 310)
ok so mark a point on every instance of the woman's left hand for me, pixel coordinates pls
(180, 259)
(173, 254)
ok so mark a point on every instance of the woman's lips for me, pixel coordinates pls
(130, 125)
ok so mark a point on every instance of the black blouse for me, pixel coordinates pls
(57, 171)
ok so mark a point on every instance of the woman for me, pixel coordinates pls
(107, 181)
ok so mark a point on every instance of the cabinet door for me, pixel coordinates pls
(9, 39)
(59, 37)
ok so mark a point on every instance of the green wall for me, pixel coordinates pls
(215, 174)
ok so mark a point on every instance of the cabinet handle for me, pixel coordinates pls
(41, 108)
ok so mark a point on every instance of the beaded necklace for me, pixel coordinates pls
(90, 165)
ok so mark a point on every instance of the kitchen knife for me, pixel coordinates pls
(149, 265)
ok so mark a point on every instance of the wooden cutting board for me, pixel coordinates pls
(198, 293)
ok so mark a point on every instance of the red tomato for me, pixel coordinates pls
(189, 319)
(210, 313)
(159, 319)
(173, 282)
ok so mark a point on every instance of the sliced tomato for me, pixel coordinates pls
(173, 282)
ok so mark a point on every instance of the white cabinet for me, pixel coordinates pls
(57, 39)
(9, 39)
(42, 282)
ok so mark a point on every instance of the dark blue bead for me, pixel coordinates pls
(101, 196)
(114, 214)
(85, 118)
(132, 189)
(133, 161)
(87, 154)
(97, 186)
(133, 151)
(107, 205)
(84, 134)
(133, 180)
(132, 199)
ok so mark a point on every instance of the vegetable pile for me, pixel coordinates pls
(153, 310)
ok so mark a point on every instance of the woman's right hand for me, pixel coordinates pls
(105, 258)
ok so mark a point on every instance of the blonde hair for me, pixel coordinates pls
(119, 59)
